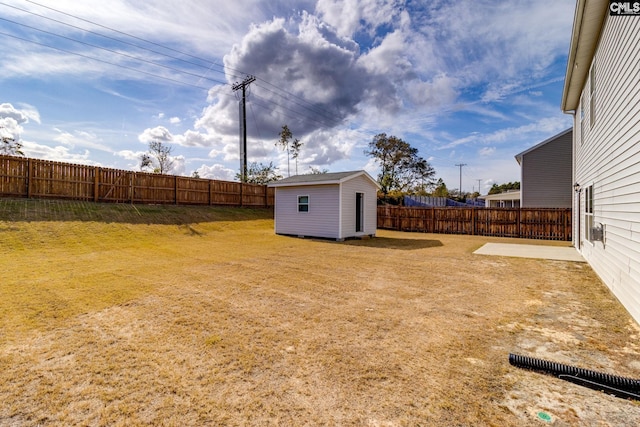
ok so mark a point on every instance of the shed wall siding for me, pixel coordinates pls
(546, 175)
(607, 156)
(359, 184)
(322, 220)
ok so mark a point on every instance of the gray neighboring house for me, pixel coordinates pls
(545, 177)
(337, 205)
(602, 93)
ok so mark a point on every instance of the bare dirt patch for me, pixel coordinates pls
(221, 322)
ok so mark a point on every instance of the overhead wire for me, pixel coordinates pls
(334, 119)
(103, 61)
(119, 40)
(113, 51)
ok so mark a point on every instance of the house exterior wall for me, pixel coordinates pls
(510, 199)
(359, 184)
(606, 146)
(322, 219)
(546, 175)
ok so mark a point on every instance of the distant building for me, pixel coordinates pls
(545, 173)
(510, 199)
(330, 205)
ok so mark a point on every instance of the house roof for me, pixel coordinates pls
(546, 141)
(587, 25)
(332, 178)
(509, 195)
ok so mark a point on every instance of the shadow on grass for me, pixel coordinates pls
(392, 243)
(27, 210)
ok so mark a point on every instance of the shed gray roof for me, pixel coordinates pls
(321, 179)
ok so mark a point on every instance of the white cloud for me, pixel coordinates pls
(175, 120)
(216, 171)
(179, 165)
(30, 112)
(351, 16)
(12, 119)
(7, 111)
(486, 151)
(195, 139)
(531, 133)
(57, 153)
(81, 139)
(129, 154)
(159, 133)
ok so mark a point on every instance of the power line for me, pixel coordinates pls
(114, 52)
(313, 107)
(109, 37)
(104, 62)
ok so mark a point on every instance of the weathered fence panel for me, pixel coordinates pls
(22, 177)
(114, 186)
(13, 176)
(59, 180)
(548, 224)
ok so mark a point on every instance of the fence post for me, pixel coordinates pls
(241, 194)
(29, 178)
(96, 184)
(519, 224)
(175, 190)
(474, 215)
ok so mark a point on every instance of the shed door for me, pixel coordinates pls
(359, 212)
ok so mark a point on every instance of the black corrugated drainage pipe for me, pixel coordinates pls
(627, 388)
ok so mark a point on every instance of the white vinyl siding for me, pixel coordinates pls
(322, 218)
(592, 95)
(608, 158)
(359, 184)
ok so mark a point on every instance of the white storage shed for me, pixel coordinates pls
(337, 205)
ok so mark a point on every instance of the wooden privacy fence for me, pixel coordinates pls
(33, 178)
(548, 224)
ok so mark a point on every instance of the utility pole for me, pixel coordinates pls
(479, 181)
(243, 124)
(460, 188)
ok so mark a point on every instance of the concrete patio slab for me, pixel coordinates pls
(560, 253)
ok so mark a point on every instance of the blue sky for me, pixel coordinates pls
(473, 82)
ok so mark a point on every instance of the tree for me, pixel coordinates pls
(441, 189)
(502, 188)
(402, 168)
(292, 147)
(317, 171)
(285, 136)
(10, 147)
(157, 159)
(296, 145)
(257, 173)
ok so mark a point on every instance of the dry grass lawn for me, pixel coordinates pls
(115, 315)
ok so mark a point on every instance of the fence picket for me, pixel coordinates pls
(548, 224)
(35, 178)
